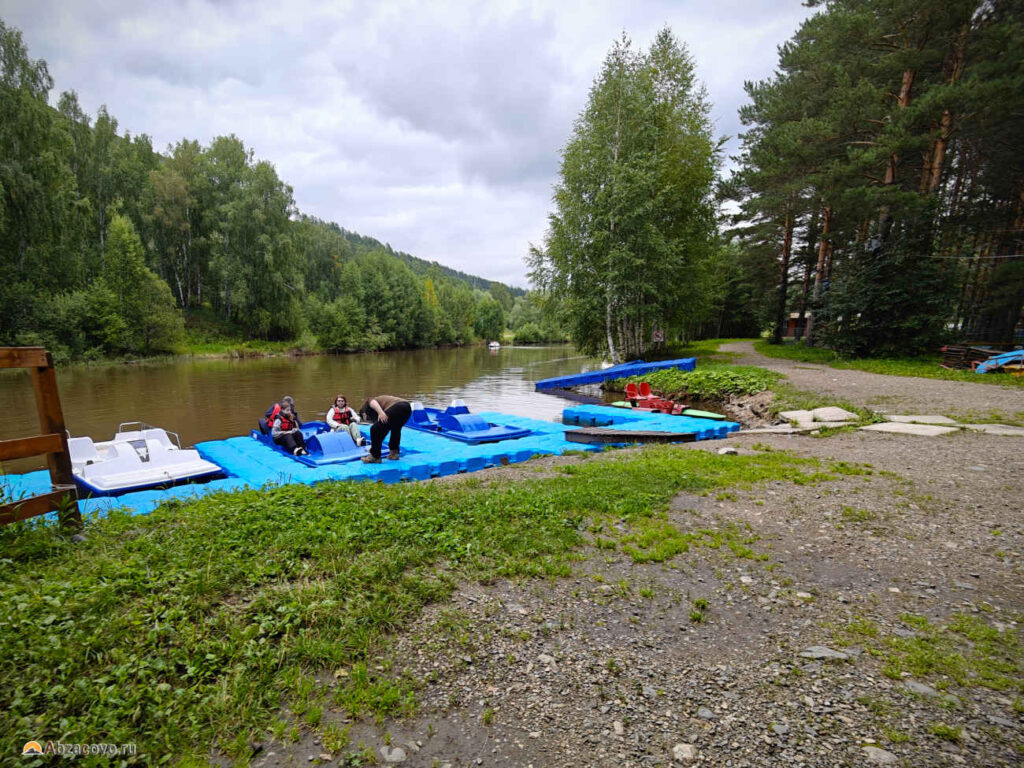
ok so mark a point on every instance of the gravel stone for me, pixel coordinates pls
(684, 753)
(822, 652)
(878, 756)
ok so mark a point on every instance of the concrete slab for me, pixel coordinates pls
(928, 430)
(833, 414)
(780, 429)
(996, 429)
(926, 419)
(803, 418)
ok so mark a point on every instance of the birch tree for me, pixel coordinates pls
(632, 233)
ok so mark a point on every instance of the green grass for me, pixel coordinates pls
(705, 348)
(926, 366)
(965, 651)
(946, 732)
(193, 627)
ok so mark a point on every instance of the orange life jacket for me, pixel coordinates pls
(339, 414)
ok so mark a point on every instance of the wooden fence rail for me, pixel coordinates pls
(53, 443)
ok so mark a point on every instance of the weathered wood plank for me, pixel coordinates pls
(24, 357)
(594, 435)
(24, 447)
(51, 422)
(36, 505)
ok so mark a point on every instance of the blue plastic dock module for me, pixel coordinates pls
(621, 371)
(630, 420)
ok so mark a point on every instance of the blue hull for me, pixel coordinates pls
(325, 447)
(457, 423)
(621, 371)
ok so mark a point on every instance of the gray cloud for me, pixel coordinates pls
(433, 126)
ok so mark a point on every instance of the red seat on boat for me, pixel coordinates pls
(645, 389)
(631, 393)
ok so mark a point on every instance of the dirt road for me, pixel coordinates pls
(960, 400)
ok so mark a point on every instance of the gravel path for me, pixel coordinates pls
(789, 665)
(960, 400)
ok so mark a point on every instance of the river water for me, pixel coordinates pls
(210, 399)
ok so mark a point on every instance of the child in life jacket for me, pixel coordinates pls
(286, 433)
(275, 409)
(341, 416)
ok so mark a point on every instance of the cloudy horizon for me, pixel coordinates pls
(436, 128)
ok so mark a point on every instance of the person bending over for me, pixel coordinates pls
(386, 413)
(341, 416)
(286, 433)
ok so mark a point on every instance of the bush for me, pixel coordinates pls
(529, 333)
(714, 382)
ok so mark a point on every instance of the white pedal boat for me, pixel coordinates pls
(139, 456)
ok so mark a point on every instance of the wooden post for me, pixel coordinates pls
(53, 442)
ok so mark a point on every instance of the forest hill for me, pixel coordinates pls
(107, 246)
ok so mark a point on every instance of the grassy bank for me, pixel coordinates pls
(192, 628)
(926, 366)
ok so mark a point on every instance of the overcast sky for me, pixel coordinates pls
(433, 126)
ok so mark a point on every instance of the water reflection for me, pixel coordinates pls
(212, 399)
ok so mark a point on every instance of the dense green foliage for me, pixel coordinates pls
(711, 381)
(882, 178)
(107, 245)
(630, 248)
(530, 324)
(193, 626)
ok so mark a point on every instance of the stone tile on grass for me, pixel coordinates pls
(996, 429)
(833, 414)
(803, 418)
(927, 430)
(926, 419)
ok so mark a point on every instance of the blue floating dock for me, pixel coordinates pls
(647, 421)
(249, 463)
(621, 371)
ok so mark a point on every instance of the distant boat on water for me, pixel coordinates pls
(494, 345)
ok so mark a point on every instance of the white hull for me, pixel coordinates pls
(134, 459)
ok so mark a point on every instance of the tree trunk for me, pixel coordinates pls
(608, 327)
(931, 174)
(819, 270)
(902, 101)
(780, 312)
(812, 236)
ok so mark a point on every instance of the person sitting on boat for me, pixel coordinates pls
(386, 413)
(286, 433)
(268, 418)
(341, 416)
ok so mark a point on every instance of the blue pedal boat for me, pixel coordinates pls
(324, 446)
(457, 423)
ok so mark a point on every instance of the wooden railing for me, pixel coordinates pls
(62, 496)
